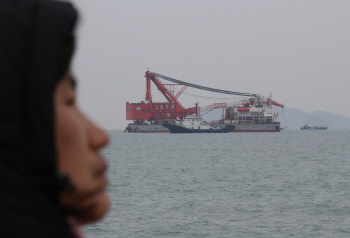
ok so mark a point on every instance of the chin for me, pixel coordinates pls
(94, 212)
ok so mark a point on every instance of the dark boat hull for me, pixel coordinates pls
(180, 129)
(313, 129)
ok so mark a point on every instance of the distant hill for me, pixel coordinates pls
(295, 118)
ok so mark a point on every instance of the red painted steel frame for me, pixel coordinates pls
(150, 110)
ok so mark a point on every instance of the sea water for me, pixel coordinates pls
(287, 184)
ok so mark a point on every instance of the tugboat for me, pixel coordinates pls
(194, 124)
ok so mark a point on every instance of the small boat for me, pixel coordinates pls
(193, 124)
(310, 126)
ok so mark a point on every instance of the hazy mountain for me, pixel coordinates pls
(295, 118)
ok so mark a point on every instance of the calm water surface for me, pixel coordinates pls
(288, 184)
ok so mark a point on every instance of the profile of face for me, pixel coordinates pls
(78, 141)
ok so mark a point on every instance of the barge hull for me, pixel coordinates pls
(252, 127)
(146, 129)
(238, 128)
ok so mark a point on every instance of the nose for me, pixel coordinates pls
(98, 138)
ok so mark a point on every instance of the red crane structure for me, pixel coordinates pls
(157, 111)
(172, 109)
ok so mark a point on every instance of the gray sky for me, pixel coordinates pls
(298, 50)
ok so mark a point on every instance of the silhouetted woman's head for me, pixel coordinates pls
(50, 167)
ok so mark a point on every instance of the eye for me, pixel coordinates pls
(70, 101)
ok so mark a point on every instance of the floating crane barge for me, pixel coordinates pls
(254, 114)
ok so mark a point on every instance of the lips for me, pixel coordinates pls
(101, 171)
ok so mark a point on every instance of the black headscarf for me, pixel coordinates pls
(36, 39)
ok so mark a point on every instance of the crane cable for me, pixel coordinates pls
(207, 97)
(202, 87)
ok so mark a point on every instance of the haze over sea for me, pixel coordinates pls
(287, 184)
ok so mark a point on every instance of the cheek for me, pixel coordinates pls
(79, 160)
(72, 145)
